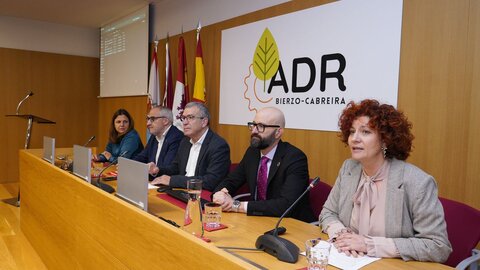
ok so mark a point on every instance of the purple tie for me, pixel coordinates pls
(262, 179)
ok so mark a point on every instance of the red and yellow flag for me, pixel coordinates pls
(199, 86)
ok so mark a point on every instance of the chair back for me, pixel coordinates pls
(463, 227)
(243, 193)
(318, 196)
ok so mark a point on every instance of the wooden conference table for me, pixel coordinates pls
(75, 225)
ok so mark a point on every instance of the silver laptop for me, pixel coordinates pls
(82, 160)
(132, 182)
(49, 149)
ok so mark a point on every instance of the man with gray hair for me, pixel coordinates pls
(202, 154)
(165, 138)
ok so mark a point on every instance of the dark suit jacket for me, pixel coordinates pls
(168, 151)
(212, 165)
(287, 180)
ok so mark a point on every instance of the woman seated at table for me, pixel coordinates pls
(381, 205)
(123, 138)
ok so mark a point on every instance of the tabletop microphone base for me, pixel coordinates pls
(105, 187)
(278, 247)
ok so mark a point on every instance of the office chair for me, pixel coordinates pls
(318, 197)
(463, 227)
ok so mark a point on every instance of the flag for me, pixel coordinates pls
(168, 91)
(181, 87)
(153, 86)
(199, 87)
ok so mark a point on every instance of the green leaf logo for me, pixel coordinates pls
(266, 57)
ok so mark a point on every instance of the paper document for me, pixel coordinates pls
(342, 261)
(150, 186)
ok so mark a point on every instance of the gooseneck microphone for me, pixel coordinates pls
(21, 101)
(104, 186)
(89, 140)
(281, 248)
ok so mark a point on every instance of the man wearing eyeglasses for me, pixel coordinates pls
(162, 146)
(202, 154)
(276, 172)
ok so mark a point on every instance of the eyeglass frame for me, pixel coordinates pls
(260, 127)
(190, 117)
(153, 118)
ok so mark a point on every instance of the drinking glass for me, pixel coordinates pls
(213, 215)
(317, 252)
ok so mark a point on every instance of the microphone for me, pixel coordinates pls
(104, 186)
(64, 157)
(21, 101)
(279, 247)
(89, 140)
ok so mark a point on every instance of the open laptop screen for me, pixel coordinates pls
(82, 159)
(132, 182)
(49, 149)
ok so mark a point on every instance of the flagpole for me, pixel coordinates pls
(155, 44)
(199, 27)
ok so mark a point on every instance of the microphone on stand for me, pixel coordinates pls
(279, 247)
(21, 101)
(89, 140)
(104, 186)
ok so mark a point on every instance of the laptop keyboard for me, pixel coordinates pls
(182, 195)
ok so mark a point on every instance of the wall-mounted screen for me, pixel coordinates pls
(124, 56)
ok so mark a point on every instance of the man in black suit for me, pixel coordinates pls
(284, 177)
(165, 138)
(202, 153)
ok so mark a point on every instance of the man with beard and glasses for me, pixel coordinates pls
(276, 172)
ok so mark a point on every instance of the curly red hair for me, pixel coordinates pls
(392, 126)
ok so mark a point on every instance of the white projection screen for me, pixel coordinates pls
(124, 56)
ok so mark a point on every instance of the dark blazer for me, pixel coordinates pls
(287, 180)
(212, 165)
(168, 151)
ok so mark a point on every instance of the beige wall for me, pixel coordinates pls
(33, 35)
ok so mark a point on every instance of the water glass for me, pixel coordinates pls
(97, 168)
(317, 252)
(193, 213)
(213, 215)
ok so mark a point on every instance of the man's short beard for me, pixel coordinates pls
(261, 143)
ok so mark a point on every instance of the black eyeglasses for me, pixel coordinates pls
(260, 127)
(189, 117)
(153, 118)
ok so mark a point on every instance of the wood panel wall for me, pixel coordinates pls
(438, 91)
(65, 91)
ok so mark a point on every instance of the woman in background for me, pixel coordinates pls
(381, 205)
(123, 138)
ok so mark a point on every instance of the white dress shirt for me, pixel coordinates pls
(160, 143)
(193, 156)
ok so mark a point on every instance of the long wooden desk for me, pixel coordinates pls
(72, 224)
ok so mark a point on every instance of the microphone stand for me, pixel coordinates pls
(89, 140)
(279, 247)
(104, 186)
(21, 101)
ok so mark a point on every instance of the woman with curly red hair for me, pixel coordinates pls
(381, 205)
